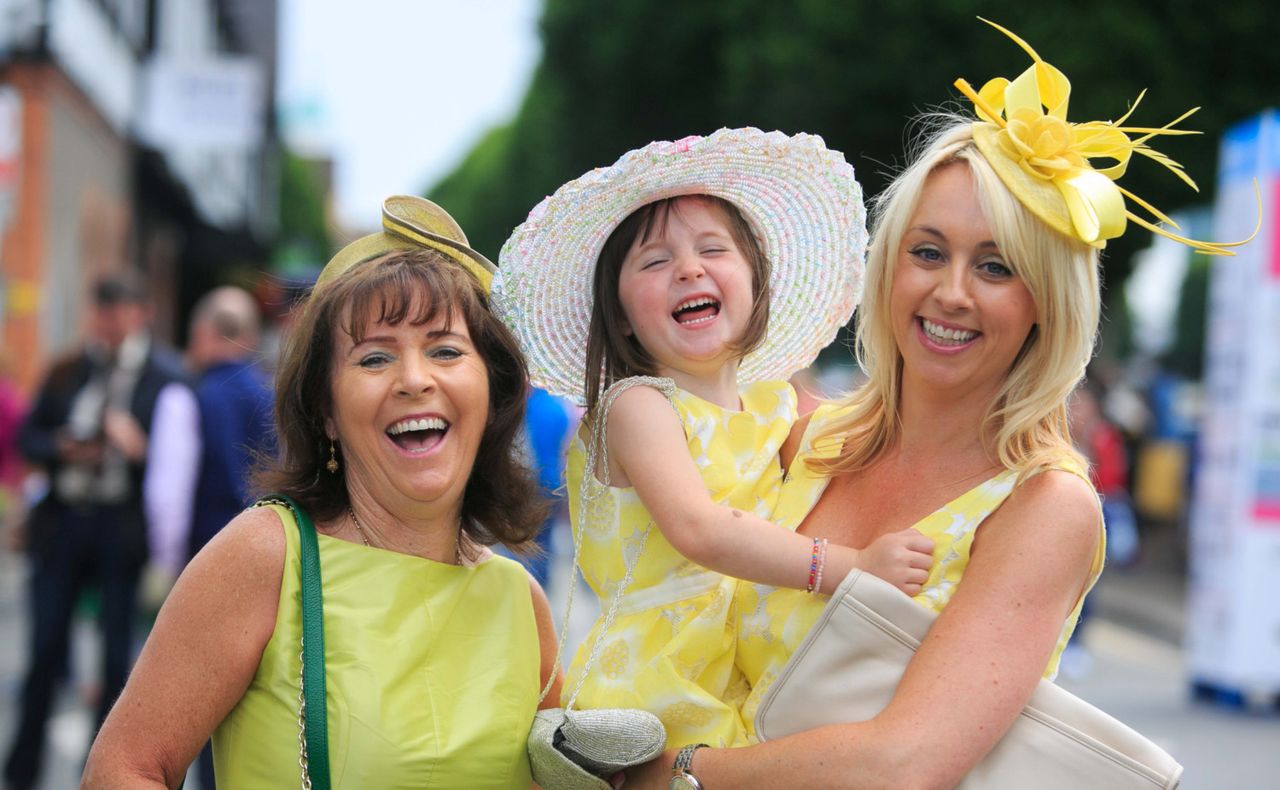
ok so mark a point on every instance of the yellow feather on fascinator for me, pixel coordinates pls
(410, 222)
(1046, 161)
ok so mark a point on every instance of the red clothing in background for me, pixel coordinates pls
(1110, 466)
(11, 413)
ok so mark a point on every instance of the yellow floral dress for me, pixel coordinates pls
(772, 622)
(670, 649)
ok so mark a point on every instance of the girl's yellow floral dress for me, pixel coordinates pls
(772, 622)
(670, 650)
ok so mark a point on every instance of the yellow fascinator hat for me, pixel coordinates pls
(410, 222)
(1046, 161)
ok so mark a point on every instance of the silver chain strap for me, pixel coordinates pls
(302, 717)
(598, 456)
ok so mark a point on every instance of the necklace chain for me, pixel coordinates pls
(457, 545)
(359, 529)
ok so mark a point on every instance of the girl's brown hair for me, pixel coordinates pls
(612, 354)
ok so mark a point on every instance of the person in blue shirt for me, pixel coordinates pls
(235, 399)
(547, 424)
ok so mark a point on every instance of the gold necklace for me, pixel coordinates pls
(457, 543)
(359, 529)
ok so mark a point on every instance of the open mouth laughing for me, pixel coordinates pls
(698, 310)
(418, 434)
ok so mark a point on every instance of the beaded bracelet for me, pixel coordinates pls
(816, 560)
(822, 564)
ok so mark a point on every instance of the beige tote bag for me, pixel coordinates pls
(849, 665)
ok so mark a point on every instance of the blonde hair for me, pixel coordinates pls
(1025, 427)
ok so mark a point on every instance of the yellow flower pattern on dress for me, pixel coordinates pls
(670, 649)
(772, 622)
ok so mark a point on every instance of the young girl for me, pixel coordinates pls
(713, 269)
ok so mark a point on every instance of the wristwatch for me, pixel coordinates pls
(681, 777)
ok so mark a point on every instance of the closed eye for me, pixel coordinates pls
(446, 353)
(375, 360)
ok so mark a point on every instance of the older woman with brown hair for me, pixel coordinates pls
(399, 399)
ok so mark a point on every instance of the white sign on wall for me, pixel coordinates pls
(213, 102)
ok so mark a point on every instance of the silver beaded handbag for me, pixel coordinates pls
(580, 749)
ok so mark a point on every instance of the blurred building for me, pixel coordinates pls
(133, 133)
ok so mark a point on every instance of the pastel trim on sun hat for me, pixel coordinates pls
(410, 222)
(800, 198)
(1044, 160)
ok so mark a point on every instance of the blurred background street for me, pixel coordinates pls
(154, 153)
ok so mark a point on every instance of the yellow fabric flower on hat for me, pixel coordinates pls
(1047, 161)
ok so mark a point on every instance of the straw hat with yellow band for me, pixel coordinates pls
(410, 222)
(1045, 161)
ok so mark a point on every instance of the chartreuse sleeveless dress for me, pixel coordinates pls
(772, 622)
(432, 674)
(670, 649)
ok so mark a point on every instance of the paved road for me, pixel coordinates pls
(1140, 680)
(1136, 674)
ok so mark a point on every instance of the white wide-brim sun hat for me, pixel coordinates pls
(800, 198)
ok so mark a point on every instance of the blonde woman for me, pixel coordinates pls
(979, 315)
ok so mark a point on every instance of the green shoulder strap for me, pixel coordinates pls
(313, 688)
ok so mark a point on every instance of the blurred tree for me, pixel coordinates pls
(1185, 355)
(1115, 332)
(616, 75)
(304, 228)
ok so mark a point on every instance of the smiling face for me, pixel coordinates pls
(409, 407)
(686, 291)
(960, 313)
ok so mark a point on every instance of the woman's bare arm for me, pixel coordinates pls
(547, 646)
(198, 661)
(972, 675)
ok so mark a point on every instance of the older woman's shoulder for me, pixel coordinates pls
(253, 543)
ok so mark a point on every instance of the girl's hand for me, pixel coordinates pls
(901, 558)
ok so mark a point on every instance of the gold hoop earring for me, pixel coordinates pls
(333, 466)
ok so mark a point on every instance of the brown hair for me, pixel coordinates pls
(501, 501)
(612, 354)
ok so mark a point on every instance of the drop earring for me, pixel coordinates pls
(333, 466)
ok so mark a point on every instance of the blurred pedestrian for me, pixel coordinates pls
(236, 425)
(1103, 445)
(11, 463)
(547, 424)
(93, 427)
(235, 398)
